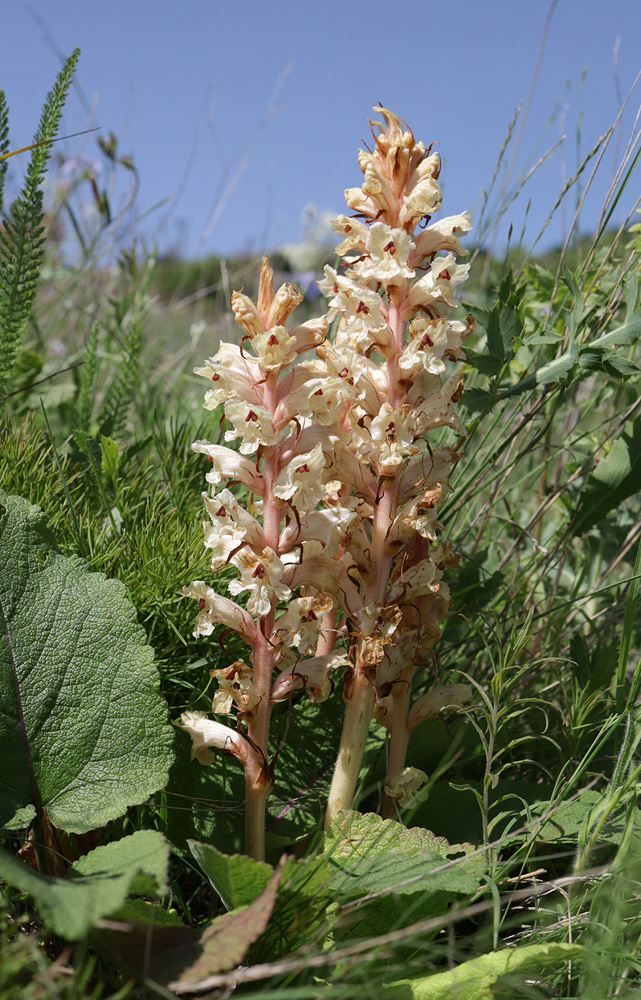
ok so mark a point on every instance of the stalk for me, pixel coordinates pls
(399, 739)
(258, 780)
(360, 696)
(358, 715)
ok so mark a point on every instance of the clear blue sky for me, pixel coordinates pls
(187, 87)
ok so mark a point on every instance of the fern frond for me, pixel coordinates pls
(87, 381)
(4, 141)
(125, 386)
(22, 237)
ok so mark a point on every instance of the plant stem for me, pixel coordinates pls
(399, 739)
(256, 793)
(358, 713)
(258, 781)
(258, 777)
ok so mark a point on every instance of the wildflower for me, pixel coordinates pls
(404, 786)
(392, 301)
(260, 574)
(235, 686)
(346, 484)
(207, 735)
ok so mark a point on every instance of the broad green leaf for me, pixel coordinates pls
(605, 360)
(486, 364)
(237, 879)
(495, 341)
(616, 477)
(511, 328)
(619, 367)
(143, 912)
(625, 334)
(83, 731)
(565, 821)
(96, 885)
(304, 892)
(475, 399)
(183, 959)
(551, 372)
(475, 980)
(369, 854)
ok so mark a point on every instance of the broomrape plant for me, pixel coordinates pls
(338, 554)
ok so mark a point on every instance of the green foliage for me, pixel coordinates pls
(83, 722)
(125, 328)
(369, 854)
(22, 235)
(237, 879)
(183, 959)
(484, 978)
(616, 477)
(96, 885)
(87, 381)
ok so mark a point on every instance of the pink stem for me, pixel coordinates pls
(258, 778)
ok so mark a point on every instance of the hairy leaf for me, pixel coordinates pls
(83, 731)
(475, 980)
(369, 854)
(237, 879)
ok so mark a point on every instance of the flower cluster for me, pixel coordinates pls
(280, 412)
(338, 562)
(392, 298)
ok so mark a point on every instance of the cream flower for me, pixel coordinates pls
(275, 348)
(214, 609)
(228, 464)
(419, 579)
(361, 309)
(300, 625)
(302, 480)
(253, 424)
(428, 343)
(404, 786)
(388, 250)
(392, 432)
(235, 684)
(261, 576)
(247, 315)
(230, 526)
(353, 233)
(284, 302)
(223, 535)
(207, 734)
(423, 196)
(308, 675)
(419, 515)
(441, 235)
(438, 286)
(232, 375)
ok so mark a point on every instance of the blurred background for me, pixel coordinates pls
(238, 124)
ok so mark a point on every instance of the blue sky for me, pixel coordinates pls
(243, 112)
